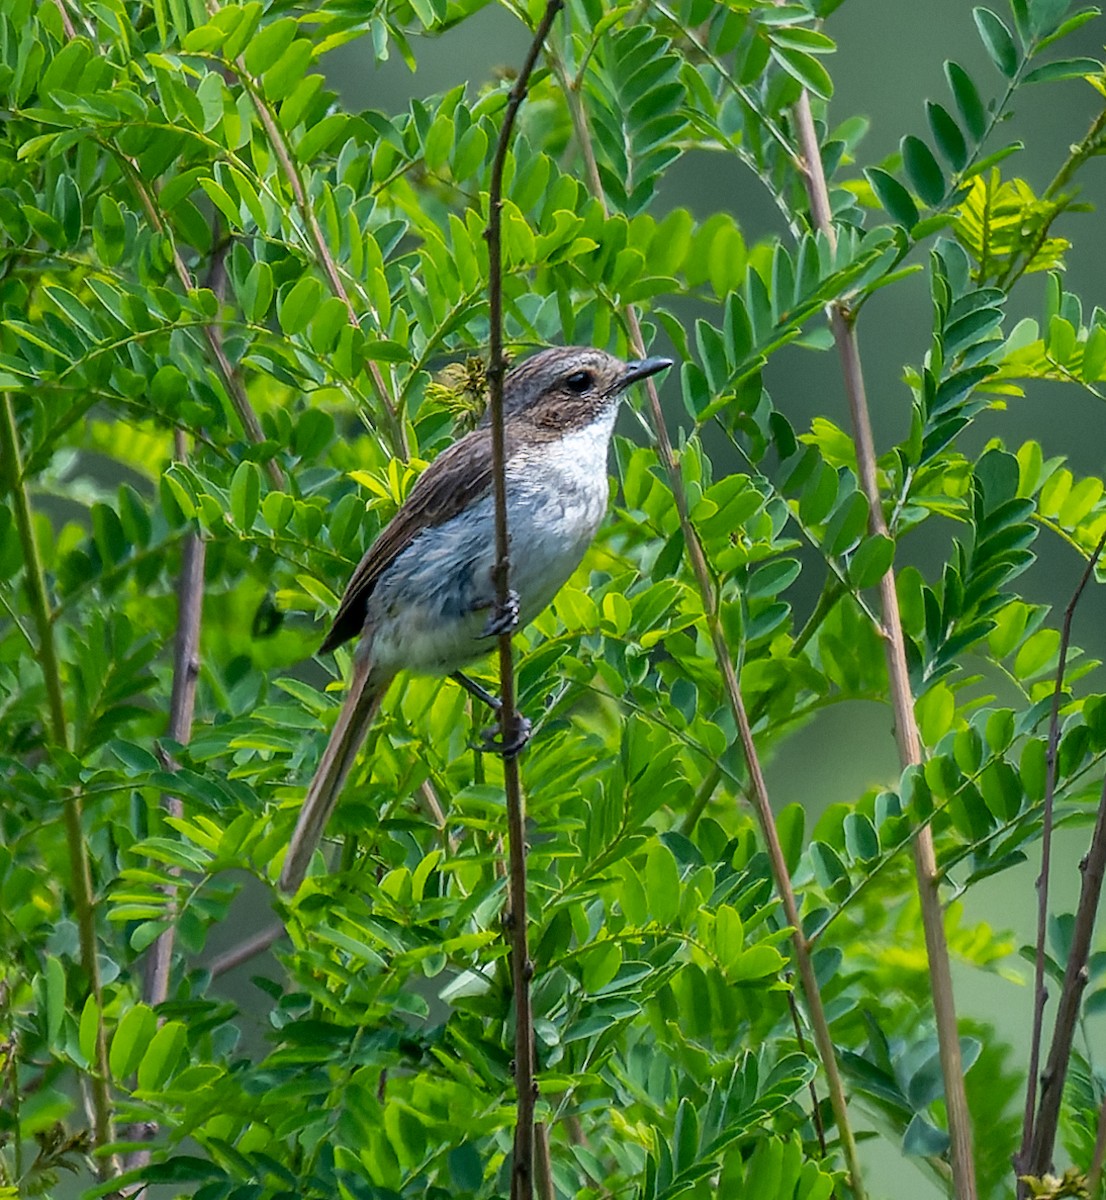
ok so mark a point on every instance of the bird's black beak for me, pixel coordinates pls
(642, 369)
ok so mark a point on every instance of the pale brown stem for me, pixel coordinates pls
(758, 788)
(182, 706)
(66, 21)
(524, 1160)
(902, 699)
(323, 254)
(322, 251)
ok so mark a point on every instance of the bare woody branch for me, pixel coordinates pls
(902, 699)
(1025, 1154)
(523, 1162)
(732, 690)
(1039, 1130)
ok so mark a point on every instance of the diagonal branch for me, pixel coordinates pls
(325, 259)
(322, 251)
(230, 380)
(523, 1159)
(758, 789)
(902, 699)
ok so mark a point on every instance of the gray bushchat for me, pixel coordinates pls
(420, 599)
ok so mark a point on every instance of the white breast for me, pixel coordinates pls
(430, 606)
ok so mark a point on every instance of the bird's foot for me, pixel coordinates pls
(508, 745)
(503, 618)
(478, 690)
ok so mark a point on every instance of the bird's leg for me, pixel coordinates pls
(478, 690)
(507, 746)
(503, 618)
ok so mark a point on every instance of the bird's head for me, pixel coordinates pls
(570, 387)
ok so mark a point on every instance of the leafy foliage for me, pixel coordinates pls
(226, 310)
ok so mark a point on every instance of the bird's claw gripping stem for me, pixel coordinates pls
(503, 617)
(510, 745)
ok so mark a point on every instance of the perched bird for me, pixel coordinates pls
(423, 598)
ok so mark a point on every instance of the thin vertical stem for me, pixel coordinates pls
(1094, 1176)
(182, 706)
(1040, 993)
(758, 789)
(1092, 868)
(83, 903)
(523, 1162)
(902, 699)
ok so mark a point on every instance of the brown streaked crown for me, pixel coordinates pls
(568, 387)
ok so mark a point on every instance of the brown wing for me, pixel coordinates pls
(459, 475)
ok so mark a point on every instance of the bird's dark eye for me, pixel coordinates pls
(579, 382)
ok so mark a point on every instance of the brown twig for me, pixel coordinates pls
(182, 706)
(66, 22)
(230, 380)
(902, 699)
(247, 948)
(1092, 868)
(1040, 994)
(322, 251)
(186, 665)
(523, 1161)
(11, 470)
(758, 789)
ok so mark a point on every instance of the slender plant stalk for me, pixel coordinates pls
(322, 251)
(522, 970)
(1092, 868)
(1094, 1176)
(1039, 1134)
(186, 664)
(246, 949)
(66, 22)
(83, 903)
(758, 789)
(1040, 993)
(229, 377)
(902, 699)
(182, 705)
(1090, 145)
